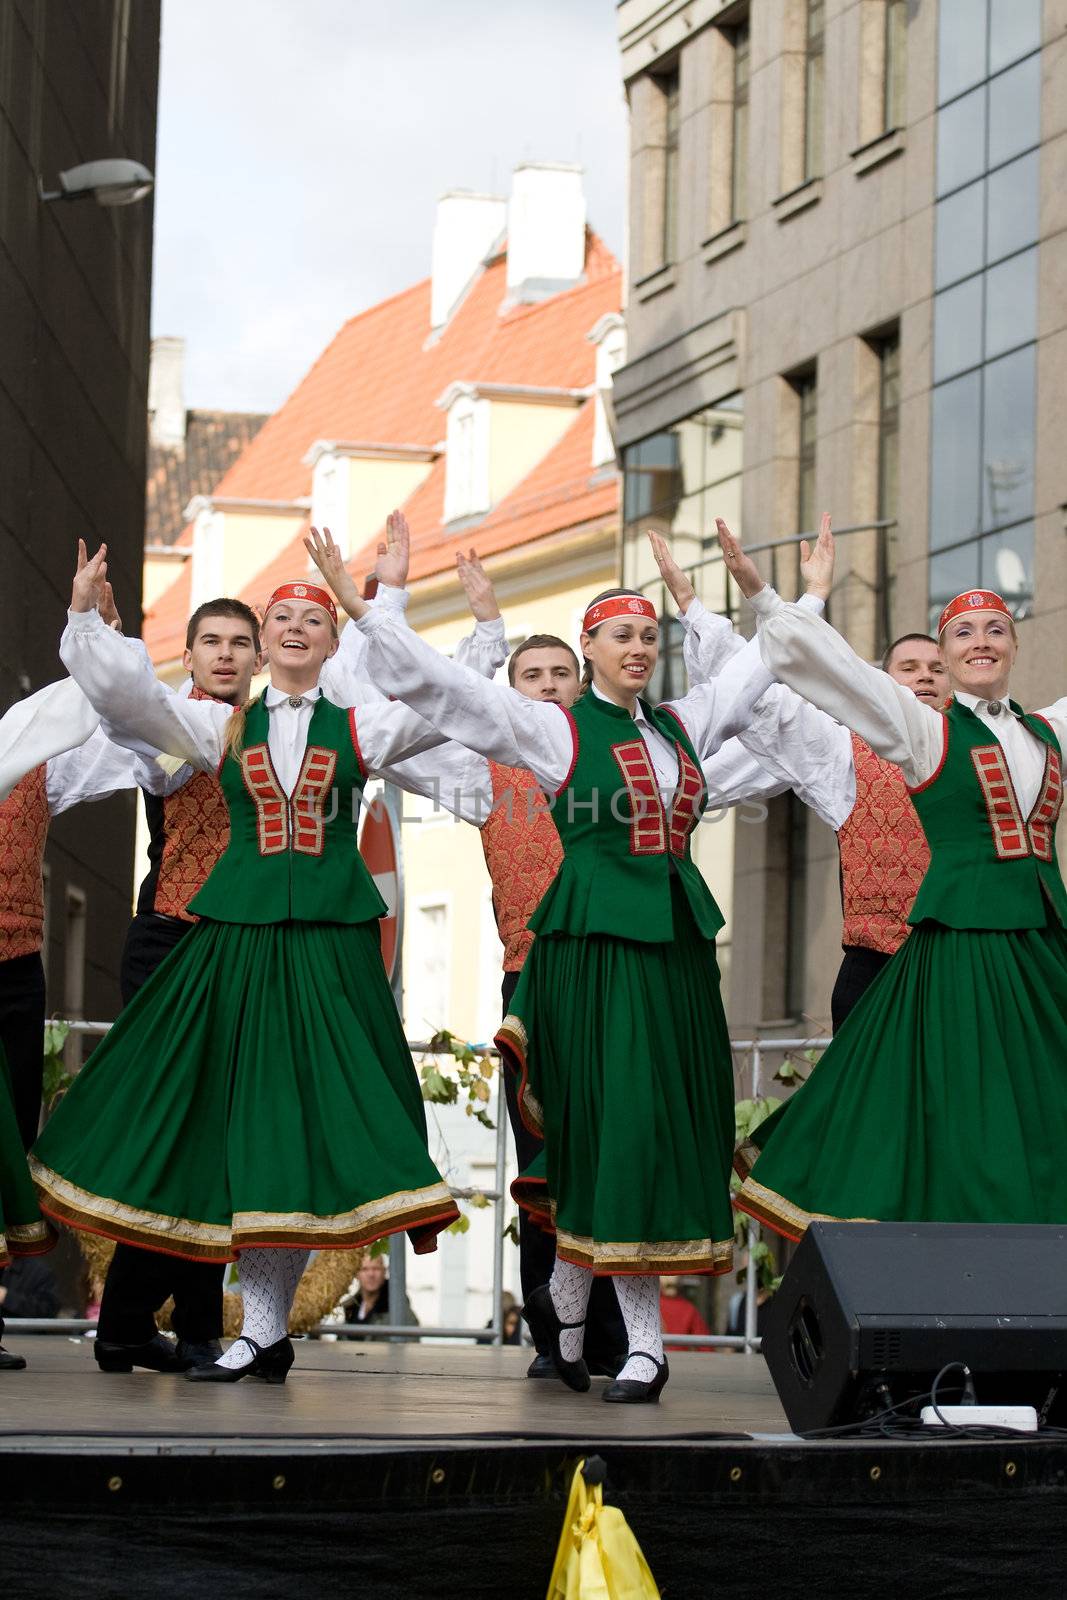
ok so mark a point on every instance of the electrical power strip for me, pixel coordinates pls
(1022, 1418)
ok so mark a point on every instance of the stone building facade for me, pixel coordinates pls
(847, 291)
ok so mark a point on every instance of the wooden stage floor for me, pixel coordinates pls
(347, 1394)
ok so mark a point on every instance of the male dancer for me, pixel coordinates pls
(863, 797)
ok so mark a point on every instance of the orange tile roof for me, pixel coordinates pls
(379, 380)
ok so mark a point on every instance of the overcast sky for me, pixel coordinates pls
(303, 143)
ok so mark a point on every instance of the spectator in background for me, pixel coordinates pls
(679, 1314)
(28, 1289)
(370, 1303)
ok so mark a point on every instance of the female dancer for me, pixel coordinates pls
(257, 1097)
(942, 1098)
(617, 1023)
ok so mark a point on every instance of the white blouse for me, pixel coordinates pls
(503, 725)
(813, 658)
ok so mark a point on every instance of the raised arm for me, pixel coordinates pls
(489, 718)
(486, 648)
(34, 730)
(142, 712)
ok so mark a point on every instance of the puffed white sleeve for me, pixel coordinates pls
(492, 719)
(807, 750)
(484, 649)
(57, 718)
(809, 656)
(710, 640)
(96, 769)
(715, 710)
(345, 675)
(452, 777)
(1056, 717)
(143, 714)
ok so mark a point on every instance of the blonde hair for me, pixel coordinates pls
(234, 738)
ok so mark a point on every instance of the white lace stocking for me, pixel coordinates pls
(639, 1304)
(268, 1284)
(569, 1287)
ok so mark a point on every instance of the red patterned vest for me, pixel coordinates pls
(189, 830)
(23, 832)
(523, 854)
(884, 855)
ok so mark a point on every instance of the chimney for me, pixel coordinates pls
(546, 230)
(465, 229)
(166, 400)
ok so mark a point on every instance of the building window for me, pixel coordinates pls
(807, 421)
(985, 306)
(430, 985)
(678, 481)
(814, 64)
(670, 87)
(739, 38)
(888, 352)
(895, 63)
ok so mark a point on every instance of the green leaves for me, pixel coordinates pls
(57, 1079)
(464, 1071)
(748, 1114)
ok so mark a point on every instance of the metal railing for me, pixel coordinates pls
(757, 1048)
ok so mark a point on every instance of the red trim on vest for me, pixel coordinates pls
(574, 747)
(919, 787)
(685, 807)
(312, 787)
(1010, 839)
(269, 798)
(355, 742)
(648, 825)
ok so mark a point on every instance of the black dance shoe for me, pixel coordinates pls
(158, 1355)
(540, 1315)
(541, 1367)
(605, 1363)
(10, 1363)
(270, 1362)
(631, 1391)
(199, 1352)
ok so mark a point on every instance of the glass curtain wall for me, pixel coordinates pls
(985, 310)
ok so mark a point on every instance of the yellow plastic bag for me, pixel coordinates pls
(598, 1557)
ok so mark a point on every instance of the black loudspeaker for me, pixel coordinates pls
(869, 1312)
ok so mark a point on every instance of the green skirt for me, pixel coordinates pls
(943, 1098)
(258, 1091)
(23, 1231)
(626, 1073)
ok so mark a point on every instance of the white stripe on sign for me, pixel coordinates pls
(385, 883)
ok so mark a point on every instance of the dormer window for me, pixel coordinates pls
(466, 455)
(609, 336)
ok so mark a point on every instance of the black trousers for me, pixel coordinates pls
(22, 1036)
(605, 1333)
(858, 970)
(139, 1280)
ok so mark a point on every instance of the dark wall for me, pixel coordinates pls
(78, 82)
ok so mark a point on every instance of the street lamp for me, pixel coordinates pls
(110, 183)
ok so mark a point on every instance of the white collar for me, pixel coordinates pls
(277, 697)
(974, 703)
(638, 711)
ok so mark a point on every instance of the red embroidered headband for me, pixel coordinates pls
(303, 591)
(620, 605)
(972, 600)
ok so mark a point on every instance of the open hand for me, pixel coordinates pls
(682, 591)
(87, 592)
(394, 552)
(741, 568)
(817, 561)
(326, 554)
(481, 596)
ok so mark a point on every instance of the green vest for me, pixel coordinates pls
(620, 847)
(990, 866)
(293, 858)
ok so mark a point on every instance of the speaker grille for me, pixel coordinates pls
(887, 1348)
